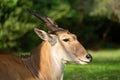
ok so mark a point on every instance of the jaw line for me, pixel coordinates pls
(75, 62)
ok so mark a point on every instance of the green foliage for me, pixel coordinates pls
(14, 22)
(105, 8)
(85, 18)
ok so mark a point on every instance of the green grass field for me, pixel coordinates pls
(105, 66)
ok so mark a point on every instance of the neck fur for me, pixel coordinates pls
(47, 62)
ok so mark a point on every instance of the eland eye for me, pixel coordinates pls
(65, 40)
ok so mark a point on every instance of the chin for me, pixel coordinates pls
(82, 62)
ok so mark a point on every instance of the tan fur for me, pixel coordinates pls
(46, 61)
(13, 68)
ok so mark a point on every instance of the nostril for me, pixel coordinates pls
(89, 57)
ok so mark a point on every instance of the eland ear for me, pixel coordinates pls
(45, 36)
(42, 34)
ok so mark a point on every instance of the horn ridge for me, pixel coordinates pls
(51, 25)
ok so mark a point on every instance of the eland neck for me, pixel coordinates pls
(46, 63)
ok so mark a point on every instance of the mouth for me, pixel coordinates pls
(79, 61)
(82, 61)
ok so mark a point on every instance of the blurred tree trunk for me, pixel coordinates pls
(106, 32)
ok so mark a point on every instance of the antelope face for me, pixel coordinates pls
(63, 42)
(73, 50)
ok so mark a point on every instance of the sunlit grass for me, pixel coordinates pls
(105, 66)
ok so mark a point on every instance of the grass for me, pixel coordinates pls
(105, 66)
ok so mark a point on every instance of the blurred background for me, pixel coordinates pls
(95, 22)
